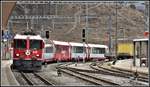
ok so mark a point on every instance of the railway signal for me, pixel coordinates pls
(83, 39)
(2, 32)
(83, 35)
(47, 34)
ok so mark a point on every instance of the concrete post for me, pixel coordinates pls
(147, 53)
(134, 55)
(140, 53)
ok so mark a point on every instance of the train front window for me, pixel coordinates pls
(20, 43)
(35, 44)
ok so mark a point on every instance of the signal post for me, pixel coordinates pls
(83, 40)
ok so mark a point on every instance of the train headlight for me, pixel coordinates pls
(17, 54)
(37, 55)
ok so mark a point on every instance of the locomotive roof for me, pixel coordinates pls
(77, 44)
(60, 42)
(97, 45)
(36, 37)
(144, 39)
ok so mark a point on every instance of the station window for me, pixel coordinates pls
(98, 50)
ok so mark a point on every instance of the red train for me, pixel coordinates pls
(28, 52)
(71, 51)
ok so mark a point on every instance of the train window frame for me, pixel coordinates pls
(21, 44)
(51, 51)
(58, 48)
(40, 46)
(101, 50)
(75, 49)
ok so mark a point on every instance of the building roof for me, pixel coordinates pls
(144, 39)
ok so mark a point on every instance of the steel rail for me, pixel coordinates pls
(43, 79)
(80, 77)
(124, 72)
(91, 78)
(117, 73)
(29, 81)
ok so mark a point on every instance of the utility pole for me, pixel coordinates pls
(109, 32)
(147, 29)
(116, 43)
(84, 32)
(87, 19)
(83, 40)
(148, 58)
(116, 31)
(27, 26)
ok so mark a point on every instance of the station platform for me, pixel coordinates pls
(127, 65)
(7, 77)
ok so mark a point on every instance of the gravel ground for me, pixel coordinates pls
(82, 66)
(121, 80)
(19, 78)
(36, 80)
(50, 73)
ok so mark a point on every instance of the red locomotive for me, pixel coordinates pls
(28, 52)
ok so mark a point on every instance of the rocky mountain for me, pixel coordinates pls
(69, 19)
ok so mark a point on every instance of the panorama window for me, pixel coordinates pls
(98, 50)
(78, 50)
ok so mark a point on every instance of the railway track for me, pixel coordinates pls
(87, 77)
(115, 72)
(98, 70)
(64, 64)
(35, 79)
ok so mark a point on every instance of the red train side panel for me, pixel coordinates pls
(61, 51)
